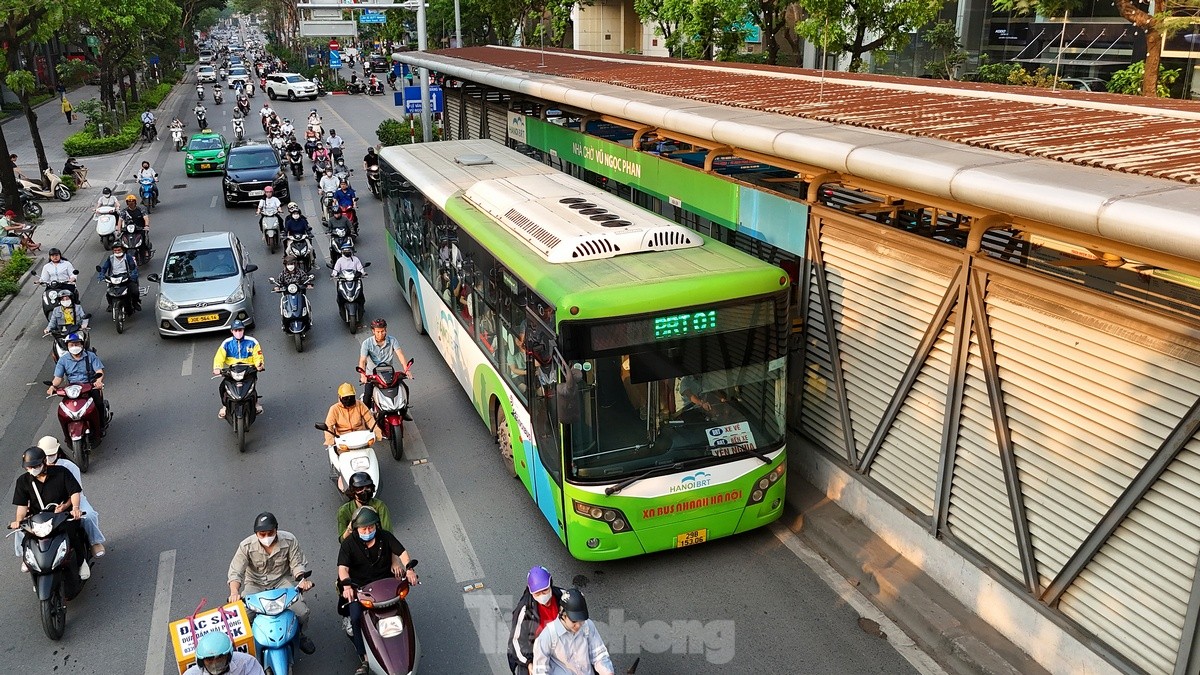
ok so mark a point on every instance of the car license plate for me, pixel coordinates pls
(256, 193)
(691, 538)
(202, 318)
(206, 166)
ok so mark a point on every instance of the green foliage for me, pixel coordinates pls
(21, 81)
(1129, 80)
(997, 73)
(942, 38)
(393, 131)
(69, 181)
(207, 18)
(1051, 8)
(844, 25)
(154, 96)
(85, 143)
(73, 72)
(13, 269)
(760, 57)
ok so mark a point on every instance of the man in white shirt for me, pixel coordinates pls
(348, 261)
(335, 143)
(148, 118)
(572, 644)
(269, 205)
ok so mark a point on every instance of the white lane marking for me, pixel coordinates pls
(464, 563)
(156, 653)
(900, 641)
(186, 370)
(212, 204)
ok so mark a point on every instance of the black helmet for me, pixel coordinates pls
(107, 192)
(265, 522)
(361, 479)
(366, 516)
(32, 457)
(573, 605)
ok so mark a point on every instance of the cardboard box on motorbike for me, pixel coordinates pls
(231, 619)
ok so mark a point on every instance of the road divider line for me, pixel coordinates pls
(900, 641)
(463, 560)
(212, 204)
(486, 615)
(156, 653)
(186, 370)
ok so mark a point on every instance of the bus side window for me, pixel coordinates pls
(515, 364)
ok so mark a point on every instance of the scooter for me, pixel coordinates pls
(351, 452)
(319, 166)
(146, 188)
(56, 190)
(83, 422)
(339, 236)
(200, 92)
(355, 88)
(136, 242)
(218, 97)
(373, 180)
(59, 345)
(296, 159)
(239, 129)
(244, 105)
(341, 171)
(241, 399)
(28, 204)
(119, 296)
(275, 626)
(293, 309)
(202, 119)
(389, 403)
(350, 298)
(54, 290)
(387, 625)
(269, 223)
(46, 550)
(301, 248)
(177, 138)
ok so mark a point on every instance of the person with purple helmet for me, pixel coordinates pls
(538, 606)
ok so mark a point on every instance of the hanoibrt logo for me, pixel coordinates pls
(696, 480)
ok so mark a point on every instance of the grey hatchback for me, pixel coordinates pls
(206, 284)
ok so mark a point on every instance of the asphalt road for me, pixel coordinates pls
(175, 497)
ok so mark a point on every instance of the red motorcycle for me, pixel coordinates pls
(389, 402)
(84, 420)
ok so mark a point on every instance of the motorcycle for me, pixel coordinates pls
(296, 159)
(244, 105)
(341, 171)
(275, 626)
(146, 189)
(373, 180)
(375, 88)
(319, 166)
(223, 73)
(119, 296)
(388, 403)
(28, 204)
(269, 223)
(301, 248)
(148, 132)
(241, 399)
(53, 291)
(56, 190)
(106, 225)
(218, 97)
(320, 88)
(136, 242)
(59, 345)
(202, 119)
(239, 129)
(351, 452)
(387, 625)
(339, 236)
(46, 550)
(350, 298)
(83, 422)
(200, 92)
(177, 138)
(293, 309)
(355, 88)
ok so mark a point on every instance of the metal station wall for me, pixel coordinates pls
(1047, 431)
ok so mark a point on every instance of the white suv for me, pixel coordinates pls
(290, 85)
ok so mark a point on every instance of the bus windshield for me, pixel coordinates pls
(697, 400)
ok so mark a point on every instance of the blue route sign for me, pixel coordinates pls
(335, 59)
(372, 18)
(412, 99)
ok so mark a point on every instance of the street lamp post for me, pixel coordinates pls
(422, 45)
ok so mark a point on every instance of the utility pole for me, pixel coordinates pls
(422, 45)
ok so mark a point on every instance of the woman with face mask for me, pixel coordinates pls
(268, 559)
(67, 317)
(536, 609)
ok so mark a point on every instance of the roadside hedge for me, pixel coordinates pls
(86, 144)
(13, 268)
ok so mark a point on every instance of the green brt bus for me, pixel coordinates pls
(632, 370)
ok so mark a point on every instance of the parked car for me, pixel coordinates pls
(206, 153)
(206, 284)
(248, 170)
(290, 85)
(205, 74)
(1085, 83)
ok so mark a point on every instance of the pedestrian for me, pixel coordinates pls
(68, 110)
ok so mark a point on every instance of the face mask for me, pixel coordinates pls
(37, 471)
(66, 302)
(75, 350)
(347, 401)
(366, 495)
(119, 255)
(218, 665)
(51, 459)
(267, 541)
(367, 537)
(290, 268)
(237, 334)
(345, 254)
(543, 598)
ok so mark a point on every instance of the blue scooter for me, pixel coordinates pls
(147, 190)
(275, 627)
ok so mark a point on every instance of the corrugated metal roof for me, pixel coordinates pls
(1123, 133)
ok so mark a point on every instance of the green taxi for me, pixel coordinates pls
(206, 152)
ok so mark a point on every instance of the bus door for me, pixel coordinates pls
(543, 378)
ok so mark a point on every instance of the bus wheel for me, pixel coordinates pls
(415, 308)
(504, 440)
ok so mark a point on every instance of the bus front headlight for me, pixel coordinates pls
(614, 518)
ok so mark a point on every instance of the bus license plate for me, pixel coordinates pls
(203, 318)
(691, 538)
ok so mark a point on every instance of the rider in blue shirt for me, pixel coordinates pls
(345, 195)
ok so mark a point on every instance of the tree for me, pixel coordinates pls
(665, 15)
(770, 17)
(1132, 79)
(846, 25)
(123, 31)
(943, 39)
